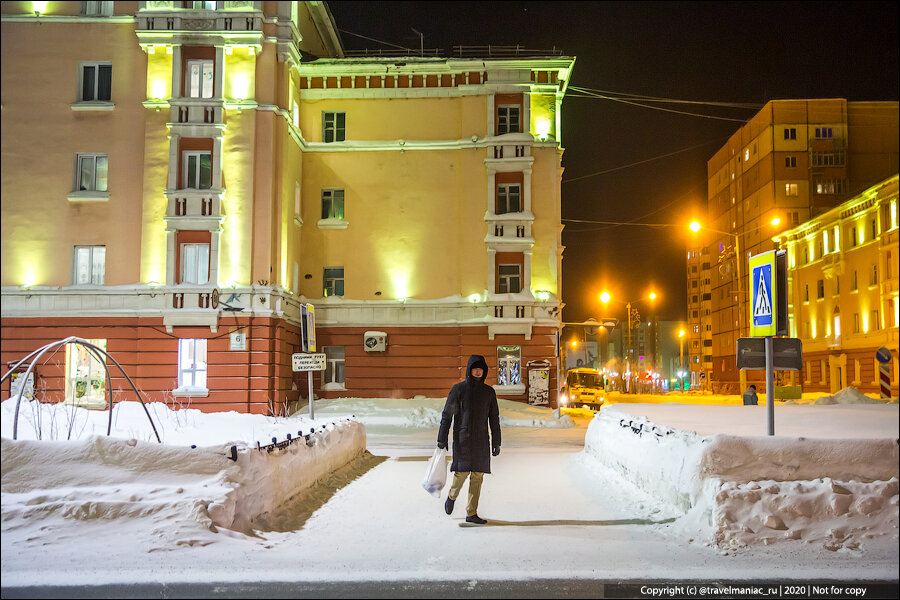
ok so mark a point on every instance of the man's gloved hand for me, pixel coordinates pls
(442, 446)
(495, 450)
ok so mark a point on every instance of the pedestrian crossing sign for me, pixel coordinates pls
(763, 297)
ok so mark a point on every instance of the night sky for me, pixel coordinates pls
(715, 52)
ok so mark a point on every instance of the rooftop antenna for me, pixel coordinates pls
(421, 41)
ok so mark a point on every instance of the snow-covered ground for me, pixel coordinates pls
(704, 500)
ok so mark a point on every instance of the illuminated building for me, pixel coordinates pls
(795, 159)
(179, 178)
(843, 285)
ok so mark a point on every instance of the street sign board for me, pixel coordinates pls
(238, 340)
(751, 354)
(307, 362)
(762, 294)
(883, 355)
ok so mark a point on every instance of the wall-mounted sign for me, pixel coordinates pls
(308, 362)
(238, 341)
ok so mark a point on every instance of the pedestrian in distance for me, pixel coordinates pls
(750, 397)
(471, 409)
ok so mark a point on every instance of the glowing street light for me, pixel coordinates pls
(606, 298)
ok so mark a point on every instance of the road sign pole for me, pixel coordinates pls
(312, 410)
(770, 385)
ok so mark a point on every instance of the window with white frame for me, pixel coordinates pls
(333, 376)
(199, 76)
(508, 119)
(94, 8)
(334, 128)
(88, 265)
(91, 172)
(333, 281)
(509, 280)
(196, 170)
(96, 82)
(509, 361)
(332, 204)
(509, 198)
(195, 263)
(192, 365)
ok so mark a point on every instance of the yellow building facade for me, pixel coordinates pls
(843, 290)
(792, 161)
(181, 179)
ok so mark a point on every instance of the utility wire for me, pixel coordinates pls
(680, 112)
(646, 160)
(374, 40)
(606, 93)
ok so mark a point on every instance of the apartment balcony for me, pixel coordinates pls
(196, 117)
(194, 209)
(235, 23)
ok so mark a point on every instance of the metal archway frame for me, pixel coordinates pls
(96, 351)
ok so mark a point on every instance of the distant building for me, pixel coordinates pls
(843, 290)
(794, 160)
(180, 179)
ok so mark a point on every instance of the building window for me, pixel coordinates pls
(333, 204)
(91, 172)
(823, 132)
(820, 288)
(509, 360)
(298, 218)
(873, 275)
(333, 377)
(199, 82)
(831, 186)
(197, 170)
(88, 265)
(509, 198)
(790, 133)
(829, 159)
(192, 363)
(510, 281)
(333, 127)
(96, 82)
(790, 161)
(791, 189)
(855, 322)
(333, 281)
(853, 237)
(876, 320)
(793, 218)
(806, 292)
(103, 8)
(889, 265)
(874, 228)
(508, 119)
(853, 281)
(195, 263)
(86, 375)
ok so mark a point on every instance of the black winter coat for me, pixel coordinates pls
(471, 407)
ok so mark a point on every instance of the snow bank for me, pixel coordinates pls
(741, 489)
(93, 476)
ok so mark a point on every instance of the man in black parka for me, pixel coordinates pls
(471, 407)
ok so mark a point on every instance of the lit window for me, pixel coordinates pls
(197, 170)
(508, 119)
(88, 265)
(333, 127)
(96, 82)
(91, 172)
(333, 377)
(791, 189)
(509, 360)
(332, 204)
(192, 363)
(92, 8)
(509, 198)
(195, 263)
(510, 281)
(199, 75)
(86, 374)
(333, 281)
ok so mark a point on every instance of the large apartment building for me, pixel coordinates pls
(843, 284)
(181, 179)
(794, 160)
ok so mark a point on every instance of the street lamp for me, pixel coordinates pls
(606, 298)
(681, 357)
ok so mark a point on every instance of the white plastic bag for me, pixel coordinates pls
(436, 474)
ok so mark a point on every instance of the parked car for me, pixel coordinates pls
(583, 389)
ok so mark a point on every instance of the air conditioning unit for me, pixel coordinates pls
(375, 341)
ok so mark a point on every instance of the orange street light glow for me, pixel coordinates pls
(695, 226)
(604, 297)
